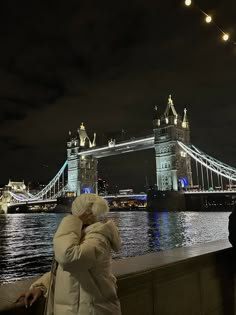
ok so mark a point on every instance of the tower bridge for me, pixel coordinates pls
(172, 165)
(177, 163)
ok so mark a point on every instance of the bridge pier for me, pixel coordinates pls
(4, 204)
(173, 166)
(82, 169)
(166, 201)
(3, 208)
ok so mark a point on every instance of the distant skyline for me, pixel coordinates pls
(107, 65)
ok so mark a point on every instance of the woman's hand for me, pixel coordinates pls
(88, 218)
(30, 296)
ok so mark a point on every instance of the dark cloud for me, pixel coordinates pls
(108, 64)
(12, 143)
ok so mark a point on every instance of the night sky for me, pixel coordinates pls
(107, 64)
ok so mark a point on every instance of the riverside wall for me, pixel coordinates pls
(197, 280)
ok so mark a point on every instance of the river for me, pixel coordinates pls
(26, 239)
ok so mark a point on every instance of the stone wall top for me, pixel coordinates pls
(135, 269)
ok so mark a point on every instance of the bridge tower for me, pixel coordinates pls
(82, 170)
(173, 165)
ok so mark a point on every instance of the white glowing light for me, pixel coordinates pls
(188, 2)
(133, 142)
(225, 37)
(208, 19)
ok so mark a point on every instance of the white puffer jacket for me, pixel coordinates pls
(84, 283)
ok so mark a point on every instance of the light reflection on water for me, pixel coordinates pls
(26, 239)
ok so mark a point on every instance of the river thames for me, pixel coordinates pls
(26, 239)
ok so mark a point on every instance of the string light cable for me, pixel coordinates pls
(208, 19)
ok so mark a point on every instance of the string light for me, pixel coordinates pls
(188, 2)
(225, 37)
(208, 19)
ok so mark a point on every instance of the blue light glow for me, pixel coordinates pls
(87, 190)
(183, 181)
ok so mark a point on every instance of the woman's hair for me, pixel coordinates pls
(96, 204)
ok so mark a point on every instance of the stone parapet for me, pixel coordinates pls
(197, 280)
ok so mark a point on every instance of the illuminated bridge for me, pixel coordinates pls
(180, 166)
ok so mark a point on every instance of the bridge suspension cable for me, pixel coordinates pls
(212, 164)
(51, 185)
(55, 188)
(20, 197)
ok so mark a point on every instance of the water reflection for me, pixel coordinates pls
(133, 227)
(25, 244)
(26, 239)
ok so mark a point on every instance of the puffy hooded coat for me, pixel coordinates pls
(84, 283)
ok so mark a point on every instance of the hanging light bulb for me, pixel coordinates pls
(188, 2)
(225, 37)
(208, 19)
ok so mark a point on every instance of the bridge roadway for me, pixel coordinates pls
(203, 192)
(210, 192)
(143, 197)
(132, 145)
(33, 202)
(131, 196)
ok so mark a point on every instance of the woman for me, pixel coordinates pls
(81, 281)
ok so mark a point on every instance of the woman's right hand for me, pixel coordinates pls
(88, 218)
(30, 296)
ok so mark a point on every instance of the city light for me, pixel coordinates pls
(225, 37)
(188, 2)
(208, 19)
